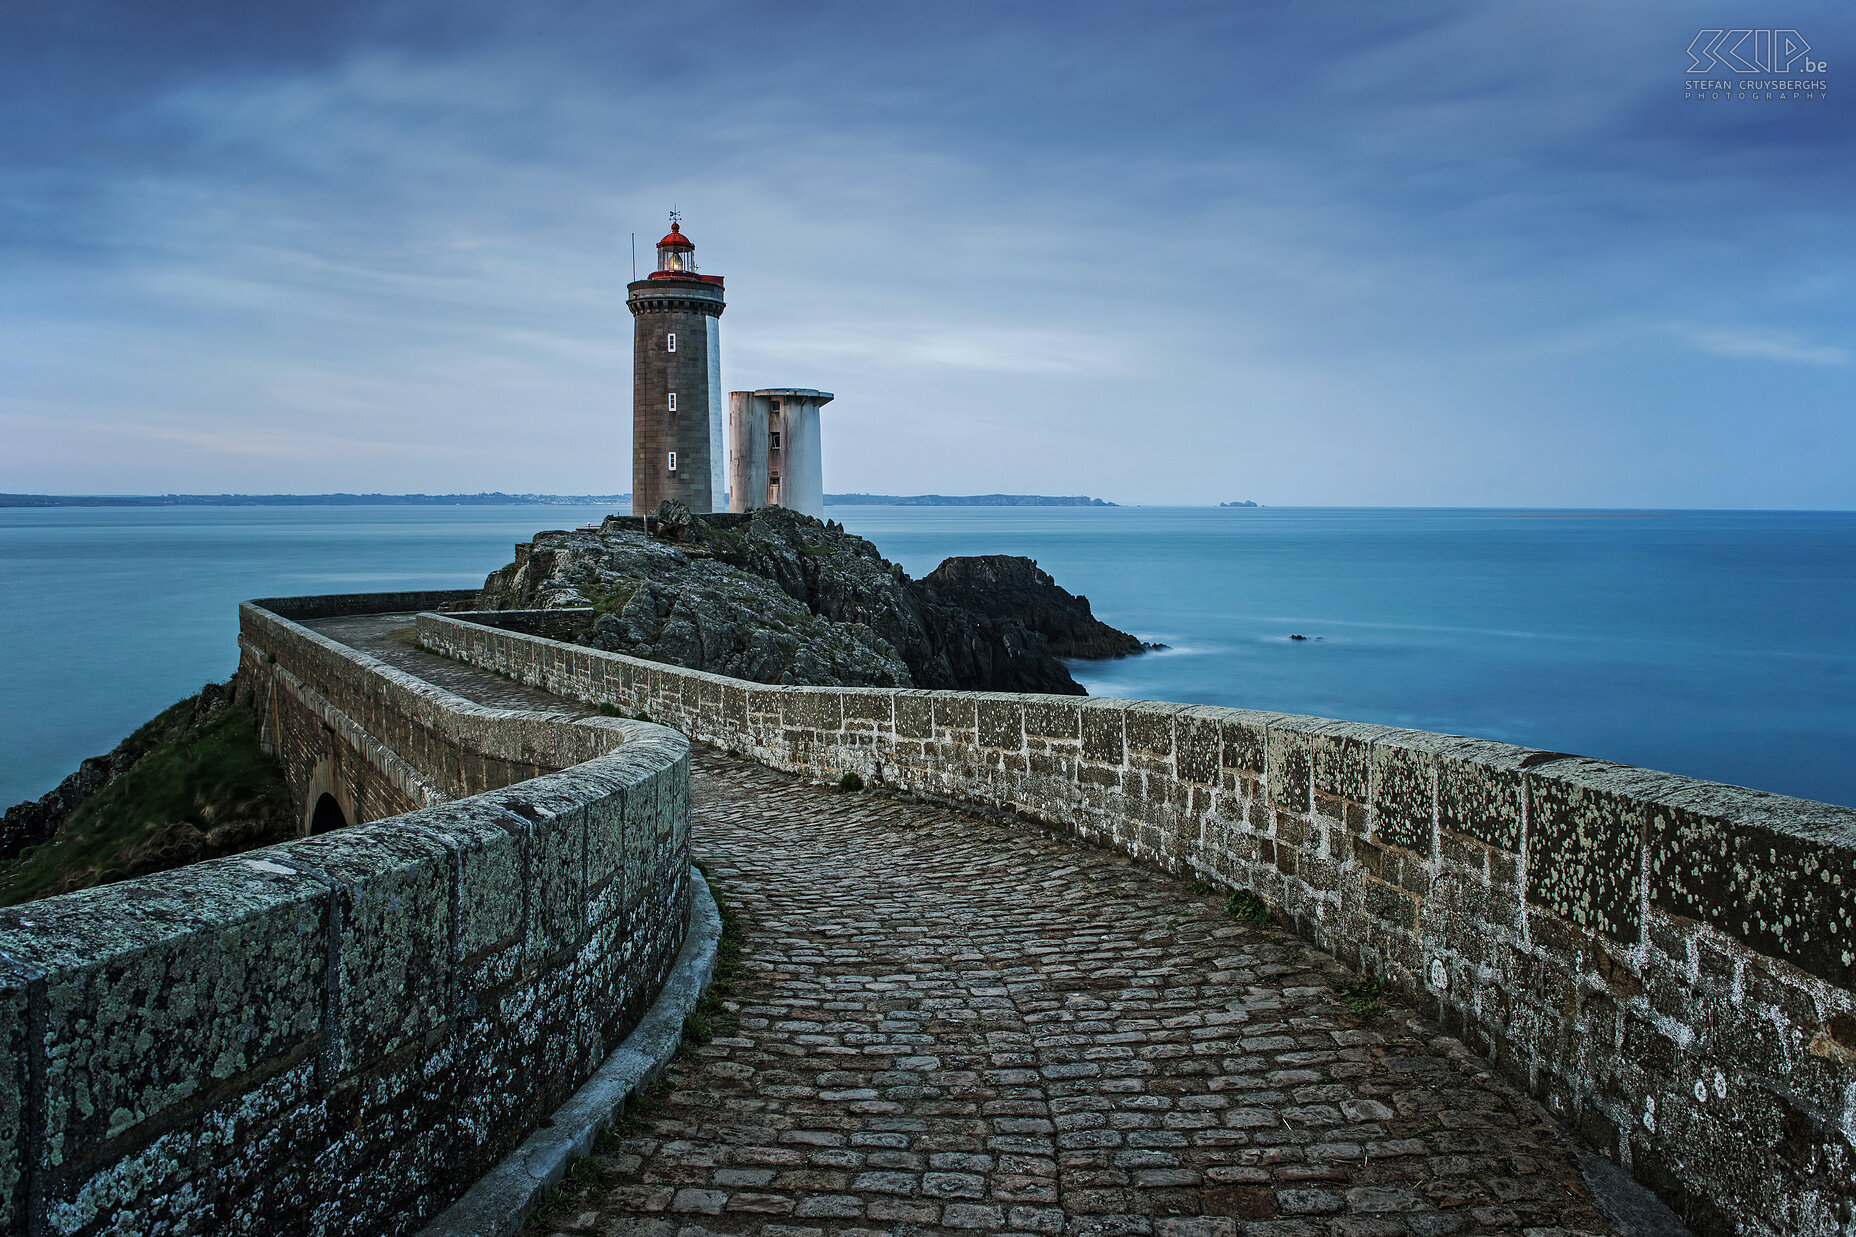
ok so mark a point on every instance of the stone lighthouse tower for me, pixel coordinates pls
(676, 381)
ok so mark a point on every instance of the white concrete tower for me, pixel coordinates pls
(774, 457)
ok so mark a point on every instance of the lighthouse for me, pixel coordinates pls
(676, 381)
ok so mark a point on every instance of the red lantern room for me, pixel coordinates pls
(676, 257)
(675, 254)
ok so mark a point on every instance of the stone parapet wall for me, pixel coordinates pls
(561, 623)
(330, 605)
(340, 1033)
(1667, 963)
(299, 677)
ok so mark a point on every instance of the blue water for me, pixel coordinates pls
(108, 615)
(1710, 643)
(1716, 644)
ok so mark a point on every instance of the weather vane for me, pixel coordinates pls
(676, 216)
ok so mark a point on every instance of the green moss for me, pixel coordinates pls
(850, 781)
(719, 540)
(1362, 997)
(1248, 907)
(200, 791)
(555, 1202)
(712, 1016)
(609, 598)
(641, 1108)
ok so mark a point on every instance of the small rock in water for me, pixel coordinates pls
(1298, 637)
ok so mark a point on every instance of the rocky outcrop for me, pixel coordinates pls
(29, 823)
(191, 784)
(1003, 587)
(779, 597)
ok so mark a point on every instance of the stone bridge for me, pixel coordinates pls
(1067, 966)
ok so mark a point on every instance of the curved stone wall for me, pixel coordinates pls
(1667, 963)
(340, 1033)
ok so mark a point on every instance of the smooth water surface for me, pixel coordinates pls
(1715, 644)
(108, 615)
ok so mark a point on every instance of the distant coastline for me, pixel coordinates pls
(964, 500)
(497, 499)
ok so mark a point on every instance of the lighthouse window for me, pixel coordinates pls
(673, 341)
(673, 401)
(774, 444)
(673, 461)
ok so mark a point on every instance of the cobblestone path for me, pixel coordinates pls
(946, 1025)
(386, 636)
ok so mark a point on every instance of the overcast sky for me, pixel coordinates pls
(1303, 253)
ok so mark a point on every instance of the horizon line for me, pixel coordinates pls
(601, 499)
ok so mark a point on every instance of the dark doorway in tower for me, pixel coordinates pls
(328, 815)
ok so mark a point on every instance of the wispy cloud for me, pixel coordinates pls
(1360, 257)
(1762, 345)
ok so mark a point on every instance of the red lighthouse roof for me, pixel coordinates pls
(675, 258)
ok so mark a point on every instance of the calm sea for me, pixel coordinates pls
(1716, 644)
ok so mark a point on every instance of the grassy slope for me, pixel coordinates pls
(203, 790)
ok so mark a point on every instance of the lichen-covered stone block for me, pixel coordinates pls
(1104, 732)
(1585, 845)
(1404, 772)
(1150, 726)
(491, 901)
(1479, 790)
(1761, 870)
(556, 853)
(394, 906)
(735, 706)
(148, 1004)
(914, 715)
(1342, 758)
(1289, 753)
(15, 1137)
(812, 708)
(957, 712)
(1001, 723)
(869, 705)
(1053, 717)
(606, 812)
(767, 702)
(1244, 740)
(1198, 735)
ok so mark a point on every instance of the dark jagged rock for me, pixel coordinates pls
(779, 597)
(671, 521)
(1003, 586)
